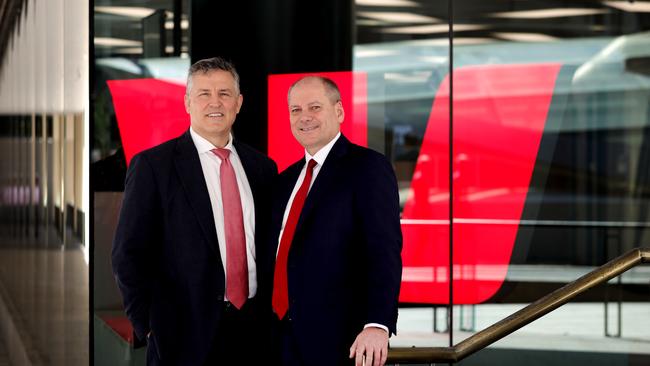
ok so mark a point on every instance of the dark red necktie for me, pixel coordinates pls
(280, 287)
(233, 219)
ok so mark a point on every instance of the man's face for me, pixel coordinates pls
(315, 119)
(213, 103)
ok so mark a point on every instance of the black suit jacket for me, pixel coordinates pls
(165, 253)
(344, 265)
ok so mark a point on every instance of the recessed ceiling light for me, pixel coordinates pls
(398, 17)
(548, 13)
(185, 24)
(129, 50)
(404, 3)
(631, 7)
(432, 28)
(374, 53)
(524, 37)
(126, 11)
(116, 42)
(445, 41)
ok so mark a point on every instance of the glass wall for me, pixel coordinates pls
(550, 114)
(518, 131)
(139, 39)
(140, 64)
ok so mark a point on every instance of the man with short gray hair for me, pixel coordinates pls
(189, 252)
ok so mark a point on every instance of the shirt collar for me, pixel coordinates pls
(204, 146)
(321, 154)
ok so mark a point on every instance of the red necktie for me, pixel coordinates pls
(233, 219)
(280, 290)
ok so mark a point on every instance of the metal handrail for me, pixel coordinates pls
(530, 313)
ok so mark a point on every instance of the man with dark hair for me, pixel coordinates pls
(336, 222)
(188, 250)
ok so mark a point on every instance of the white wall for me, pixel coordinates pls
(45, 69)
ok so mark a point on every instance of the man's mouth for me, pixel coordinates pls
(308, 129)
(215, 114)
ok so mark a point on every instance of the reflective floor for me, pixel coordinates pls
(47, 286)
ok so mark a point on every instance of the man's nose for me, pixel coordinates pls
(215, 101)
(305, 117)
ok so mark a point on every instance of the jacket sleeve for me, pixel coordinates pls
(137, 230)
(380, 217)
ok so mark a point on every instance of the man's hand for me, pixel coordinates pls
(372, 343)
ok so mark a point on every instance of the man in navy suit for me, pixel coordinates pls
(336, 219)
(187, 253)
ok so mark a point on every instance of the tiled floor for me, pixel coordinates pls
(48, 287)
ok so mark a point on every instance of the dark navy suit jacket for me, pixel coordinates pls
(344, 265)
(165, 253)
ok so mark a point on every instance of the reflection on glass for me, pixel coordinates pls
(551, 126)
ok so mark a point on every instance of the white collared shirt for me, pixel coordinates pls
(319, 157)
(210, 163)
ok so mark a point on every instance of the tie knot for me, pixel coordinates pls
(311, 164)
(223, 154)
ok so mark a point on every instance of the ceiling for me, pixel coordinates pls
(118, 23)
(396, 20)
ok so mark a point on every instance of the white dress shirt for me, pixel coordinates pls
(210, 163)
(319, 157)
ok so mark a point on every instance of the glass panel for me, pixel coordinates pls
(140, 66)
(137, 61)
(551, 147)
(403, 48)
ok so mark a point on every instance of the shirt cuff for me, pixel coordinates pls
(376, 325)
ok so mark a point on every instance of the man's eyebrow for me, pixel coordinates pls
(310, 103)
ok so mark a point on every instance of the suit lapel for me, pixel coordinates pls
(190, 173)
(254, 179)
(322, 183)
(249, 168)
(284, 193)
(318, 190)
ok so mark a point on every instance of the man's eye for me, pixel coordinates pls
(295, 110)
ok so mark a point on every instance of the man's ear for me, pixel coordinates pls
(340, 113)
(187, 103)
(240, 101)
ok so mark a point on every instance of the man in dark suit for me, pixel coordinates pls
(187, 251)
(336, 216)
